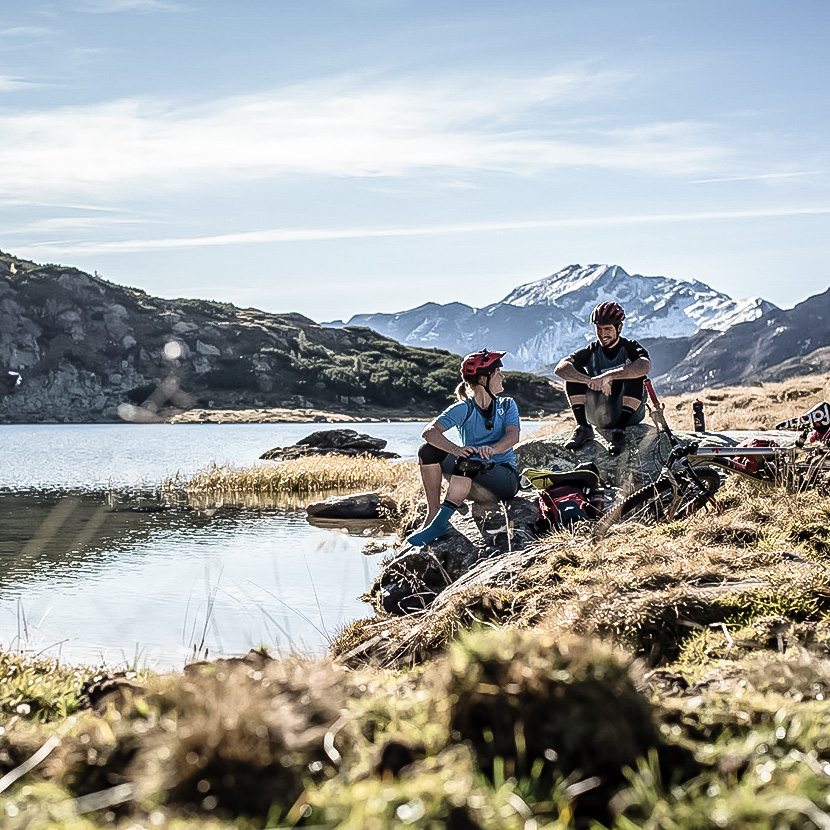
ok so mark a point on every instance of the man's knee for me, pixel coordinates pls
(631, 403)
(576, 392)
(634, 388)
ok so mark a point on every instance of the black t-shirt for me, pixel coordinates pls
(595, 359)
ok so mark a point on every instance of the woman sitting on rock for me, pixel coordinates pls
(489, 427)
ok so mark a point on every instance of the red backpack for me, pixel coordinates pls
(564, 506)
(563, 496)
(750, 463)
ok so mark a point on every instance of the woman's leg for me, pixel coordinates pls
(431, 477)
(502, 481)
(431, 464)
(458, 490)
(438, 526)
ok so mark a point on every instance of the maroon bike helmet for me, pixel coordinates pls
(480, 363)
(608, 314)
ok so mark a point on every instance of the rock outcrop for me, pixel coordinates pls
(332, 442)
(490, 529)
(92, 351)
(642, 459)
(355, 506)
(415, 576)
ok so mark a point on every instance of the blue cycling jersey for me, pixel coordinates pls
(472, 425)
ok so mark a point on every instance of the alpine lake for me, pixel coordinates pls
(96, 569)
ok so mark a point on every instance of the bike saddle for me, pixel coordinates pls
(818, 416)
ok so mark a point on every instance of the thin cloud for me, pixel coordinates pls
(9, 83)
(70, 222)
(760, 177)
(282, 235)
(115, 6)
(341, 127)
(37, 203)
(33, 32)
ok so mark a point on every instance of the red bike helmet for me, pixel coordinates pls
(608, 314)
(480, 363)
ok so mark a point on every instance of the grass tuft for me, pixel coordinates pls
(303, 475)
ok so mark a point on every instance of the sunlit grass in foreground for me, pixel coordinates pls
(517, 716)
(303, 475)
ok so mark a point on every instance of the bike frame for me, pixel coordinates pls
(726, 457)
(679, 450)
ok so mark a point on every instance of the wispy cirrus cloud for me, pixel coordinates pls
(282, 235)
(57, 223)
(343, 127)
(795, 174)
(114, 6)
(11, 83)
(26, 32)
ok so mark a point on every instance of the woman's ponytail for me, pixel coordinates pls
(461, 391)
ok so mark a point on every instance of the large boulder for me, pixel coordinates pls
(332, 442)
(415, 576)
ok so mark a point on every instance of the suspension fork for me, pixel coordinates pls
(678, 449)
(658, 415)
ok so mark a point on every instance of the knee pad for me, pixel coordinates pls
(427, 454)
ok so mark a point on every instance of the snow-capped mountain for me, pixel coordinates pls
(542, 321)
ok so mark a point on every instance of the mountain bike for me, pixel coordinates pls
(692, 474)
(680, 489)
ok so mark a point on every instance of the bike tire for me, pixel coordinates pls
(661, 501)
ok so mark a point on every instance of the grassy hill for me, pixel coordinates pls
(86, 347)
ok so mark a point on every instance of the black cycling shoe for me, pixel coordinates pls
(582, 435)
(617, 444)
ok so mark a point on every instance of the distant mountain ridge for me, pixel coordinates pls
(540, 322)
(783, 343)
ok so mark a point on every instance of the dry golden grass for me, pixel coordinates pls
(760, 406)
(313, 474)
(646, 588)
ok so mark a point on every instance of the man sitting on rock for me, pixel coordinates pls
(604, 381)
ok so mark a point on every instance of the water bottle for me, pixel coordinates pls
(698, 416)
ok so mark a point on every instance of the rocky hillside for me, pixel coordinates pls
(90, 350)
(781, 344)
(542, 321)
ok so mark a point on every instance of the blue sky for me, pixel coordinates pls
(333, 158)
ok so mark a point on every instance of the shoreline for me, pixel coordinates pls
(270, 416)
(288, 416)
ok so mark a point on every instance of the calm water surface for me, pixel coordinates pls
(92, 571)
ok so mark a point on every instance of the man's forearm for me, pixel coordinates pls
(568, 372)
(638, 368)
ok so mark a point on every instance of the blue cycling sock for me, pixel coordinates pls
(437, 527)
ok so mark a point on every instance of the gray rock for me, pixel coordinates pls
(354, 506)
(332, 442)
(207, 349)
(416, 576)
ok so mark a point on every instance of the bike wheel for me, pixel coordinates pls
(665, 500)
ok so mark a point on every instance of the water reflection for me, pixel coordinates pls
(95, 566)
(103, 576)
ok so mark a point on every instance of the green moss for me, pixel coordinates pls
(37, 688)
